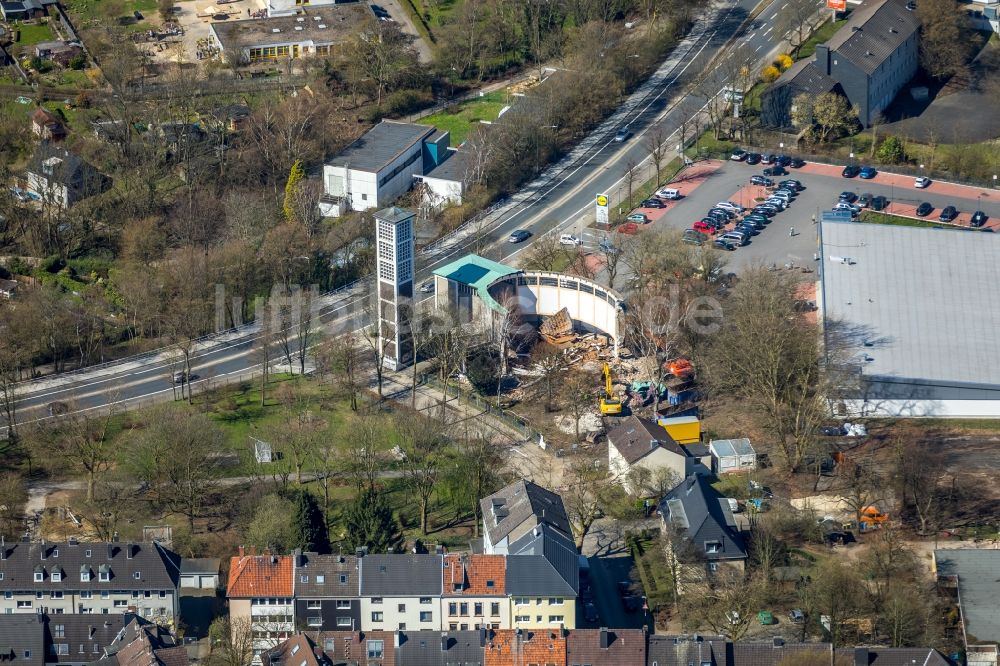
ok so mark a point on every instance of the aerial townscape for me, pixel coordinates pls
(500, 332)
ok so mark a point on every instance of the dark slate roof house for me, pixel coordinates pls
(400, 575)
(871, 57)
(684, 650)
(63, 177)
(704, 514)
(543, 562)
(319, 576)
(606, 647)
(514, 511)
(142, 643)
(22, 639)
(71, 639)
(439, 648)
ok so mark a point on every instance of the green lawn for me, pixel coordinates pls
(33, 34)
(459, 119)
(823, 33)
(87, 10)
(872, 217)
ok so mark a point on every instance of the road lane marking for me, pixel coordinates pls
(769, 31)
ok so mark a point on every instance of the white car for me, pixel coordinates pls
(427, 287)
(781, 204)
(921, 182)
(669, 193)
(569, 239)
(729, 205)
(843, 205)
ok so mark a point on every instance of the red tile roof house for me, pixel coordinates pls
(474, 589)
(47, 125)
(260, 592)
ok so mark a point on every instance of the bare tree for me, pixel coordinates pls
(630, 174)
(552, 364)
(422, 444)
(84, 439)
(232, 641)
(365, 454)
(587, 486)
(656, 146)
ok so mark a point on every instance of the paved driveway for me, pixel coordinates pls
(610, 562)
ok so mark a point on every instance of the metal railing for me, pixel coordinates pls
(488, 409)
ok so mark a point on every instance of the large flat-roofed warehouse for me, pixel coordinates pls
(919, 306)
(311, 32)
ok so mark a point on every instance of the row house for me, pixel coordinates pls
(401, 592)
(474, 592)
(90, 578)
(261, 593)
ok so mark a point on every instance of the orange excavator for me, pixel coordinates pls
(871, 518)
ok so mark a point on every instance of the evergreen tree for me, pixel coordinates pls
(370, 523)
(308, 524)
(296, 175)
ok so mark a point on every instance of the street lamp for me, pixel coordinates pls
(994, 180)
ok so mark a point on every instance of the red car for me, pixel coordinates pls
(628, 228)
(702, 227)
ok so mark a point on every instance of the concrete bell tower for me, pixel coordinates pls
(394, 279)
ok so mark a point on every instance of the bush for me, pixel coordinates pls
(482, 371)
(770, 74)
(52, 264)
(405, 102)
(891, 151)
(78, 62)
(784, 61)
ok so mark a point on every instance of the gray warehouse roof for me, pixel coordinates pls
(912, 300)
(401, 575)
(380, 145)
(873, 32)
(979, 587)
(321, 25)
(455, 168)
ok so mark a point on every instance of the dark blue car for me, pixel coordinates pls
(867, 172)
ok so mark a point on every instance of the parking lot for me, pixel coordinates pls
(791, 236)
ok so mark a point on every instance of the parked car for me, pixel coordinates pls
(729, 205)
(922, 182)
(850, 171)
(768, 158)
(844, 205)
(736, 237)
(978, 219)
(865, 200)
(948, 214)
(754, 222)
(427, 287)
(788, 191)
(703, 227)
(755, 217)
(766, 618)
(766, 210)
(669, 193)
(761, 180)
(723, 244)
(753, 158)
(518, 236)
(791, 184)
(783, 160)
(652, 203)
(569, 239)
(849, 197)
(831, 431)
(738, 155)
(867, 173)
(716, 218)
(726, 212)
(780, 204)
(797, 616)
(924, 209)
(606, 246)
(694, 237)
(623, 134)
(797, 163)
(775, 171)
(879, 203)
(638, 218)
(590, 613)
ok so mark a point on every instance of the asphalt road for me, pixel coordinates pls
(565, 193)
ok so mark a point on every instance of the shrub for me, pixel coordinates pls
(891, 151)
(784, 61)
(78, 62)
(770, 74)
(52, 264)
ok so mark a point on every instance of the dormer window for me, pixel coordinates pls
(86, 553)
(304, 579)
(490, 584)
(84, 574)
(57, 576)
(320, 580)
(137, 575)
(104, 573)
(39, 575)
(343, 579)
(55, 552)
(713, 547)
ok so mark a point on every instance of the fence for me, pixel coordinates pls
(508, 419)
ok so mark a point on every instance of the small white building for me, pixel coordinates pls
(200, 573)
(640, 444)
(380, 166)
(446, 184)
(732, 455)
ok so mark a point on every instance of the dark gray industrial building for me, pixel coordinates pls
(869, 60)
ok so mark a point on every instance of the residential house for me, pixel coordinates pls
(59, 52)
(683, 650)
(543, 580)
(882, 656)
(516, 510)
(62, 178)
(24, 9)
(22, 639)
(108, 578)
(446, 184)
(640, 444)
(400, 592)
(326, 592)
(75, 640)
(871, 57)
(777, 102)
(440, 648)
(141, 643)
(732, 455)
(474, 592)
(232, 117)
(47, 125)
(970, 575)
(508, 647)
(380, 166)
(261, 591)
(200, 573)
(605, 647)
(358, 648)
(704, 520)
(299, 650)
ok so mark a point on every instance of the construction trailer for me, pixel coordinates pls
(683, 429)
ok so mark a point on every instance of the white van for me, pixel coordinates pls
(669, 193)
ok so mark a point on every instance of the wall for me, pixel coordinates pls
(54, 194)
(392, 617)
(535, 607)
(440, 192)
(362, 186)
(499, 620)
(888, 80)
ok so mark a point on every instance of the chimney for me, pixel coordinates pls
(242, 551)
(72, 541)
(482, 636)
(444, 642)
(129, 553)
(860, 656)
(111, 552)
(3, 552)
(114, 537)
(298, 557)
(823, 58)
(45, 551)
(605, 638)
(361, 552)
